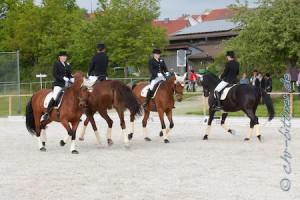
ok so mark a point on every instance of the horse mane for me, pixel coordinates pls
(211, 79)
(79, 74)
(165, 83)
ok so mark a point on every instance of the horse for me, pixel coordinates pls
(164, 103)
(243, 97)
(105, 95)
(72, 107)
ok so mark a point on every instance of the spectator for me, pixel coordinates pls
(260, 81)
(244, 80)
(253, 77)
(193, 80)
(294, 75)
(268, 83)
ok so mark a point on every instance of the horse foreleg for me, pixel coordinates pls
(144, 123)
(163, 125)
(210, 119)
(69, 134)
(74, 129)
(170, 118)
(224, 116)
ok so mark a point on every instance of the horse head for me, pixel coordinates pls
(83, 94)
(204, 85)
(179, 84)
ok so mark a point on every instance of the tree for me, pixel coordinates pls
(125, 26)
(269, 35)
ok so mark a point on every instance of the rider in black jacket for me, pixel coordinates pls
(157, 68)
(229, 75)
(98, 65)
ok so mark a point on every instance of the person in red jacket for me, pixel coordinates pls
(193, 80)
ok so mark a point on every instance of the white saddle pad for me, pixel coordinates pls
(146, 88)
(48, 98)
(225, 92)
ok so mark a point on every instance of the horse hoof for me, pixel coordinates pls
(147, 139)
(75, 152)
(161, 134)
(100, 146)
(62, 143)
(130, 136)
(259, 138)
(246, 139)
(232, 131)
(44, 143)
(110, 142)
(81, 139)
(43, 149)
(127, 147)
(166, 141)
(205, 137)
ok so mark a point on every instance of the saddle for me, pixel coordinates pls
(147, 87)
(225, 91)
(58, 101)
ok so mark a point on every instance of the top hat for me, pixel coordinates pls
(62, 53)
(156, 51)
(230, 53)
(100, 46)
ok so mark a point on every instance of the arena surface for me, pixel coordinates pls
(224, 167)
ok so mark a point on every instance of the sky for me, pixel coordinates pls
(174, 9)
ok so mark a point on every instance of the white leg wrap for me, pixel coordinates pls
(249, 133)
(208, 130)
(125, 137)
(168, 130)
(43, 135)
(108, 133)
(164, 133)
(67, 138)
(40, 142)
(72, 147)
(145, 133)
(225, 127)
(98, 137)
(132, 127)
(257, 130)
(82, 133)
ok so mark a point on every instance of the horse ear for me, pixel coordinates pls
(200, 77)
(184, 76)
(175, 82)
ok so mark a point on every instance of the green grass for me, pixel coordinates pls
(262, 109)
(16, 108)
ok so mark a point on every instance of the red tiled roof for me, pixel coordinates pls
(218, 14)
(172, 26)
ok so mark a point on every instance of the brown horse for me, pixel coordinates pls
(70, 111)
(107, 94)
(164, 103)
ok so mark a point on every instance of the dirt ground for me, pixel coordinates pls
(224, 167)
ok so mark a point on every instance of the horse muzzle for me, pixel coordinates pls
(83, 105)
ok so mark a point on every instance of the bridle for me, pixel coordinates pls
(79, 91)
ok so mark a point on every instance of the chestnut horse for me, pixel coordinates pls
(107, 94)
(70, 111)
(164, 103)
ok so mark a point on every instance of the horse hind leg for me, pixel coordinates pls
(144, 124)
(253, 122)
(38, 132)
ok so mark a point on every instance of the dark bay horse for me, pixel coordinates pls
(73, 104)
(243, 97)
(164, 103)
(107, 94)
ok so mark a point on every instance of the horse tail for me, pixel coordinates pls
(268, 102)
(129, 98)
(30, 122)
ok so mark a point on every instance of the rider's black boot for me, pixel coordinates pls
(49, 108)
(218, 102)
(148, 97)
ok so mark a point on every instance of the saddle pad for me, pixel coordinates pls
(147, 87)
(225, 92)
(49, 97)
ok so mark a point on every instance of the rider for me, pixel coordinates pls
(98, 65)
(157, 68)
(229, 75)
(62, 75)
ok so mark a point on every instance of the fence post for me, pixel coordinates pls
(9, 105)
(292, 104)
